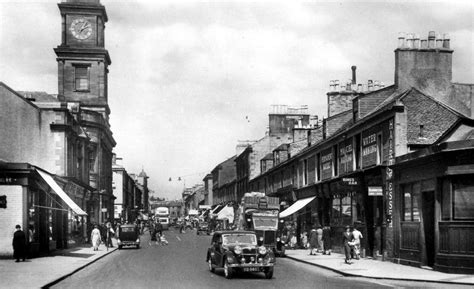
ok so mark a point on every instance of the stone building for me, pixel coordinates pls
(394, 161)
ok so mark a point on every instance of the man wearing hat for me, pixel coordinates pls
(19, 244)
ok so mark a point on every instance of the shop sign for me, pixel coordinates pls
(375, 191)
(369, 149)
(389, 172)
(350, 181)
(326, 164)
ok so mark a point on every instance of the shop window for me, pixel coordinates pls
(379, 149)
(411, 211)
(334, 161)
(446, 200)
(463, 199)
(318, 167)
(336, 211)
(357, 152)
(346, 210)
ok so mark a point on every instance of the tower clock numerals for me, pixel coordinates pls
(81, 28)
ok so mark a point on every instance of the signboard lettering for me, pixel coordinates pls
(375, 191)
(389, 172)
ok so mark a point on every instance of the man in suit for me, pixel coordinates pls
(19, 244)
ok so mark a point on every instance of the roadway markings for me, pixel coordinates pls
(179, 239)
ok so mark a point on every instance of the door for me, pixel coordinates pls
(428, 208)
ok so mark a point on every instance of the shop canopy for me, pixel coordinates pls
(226, 213)
(298, 205)
(217, 209)
(57, 189)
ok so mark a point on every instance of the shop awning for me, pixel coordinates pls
(193, 212)
(57, 189)
(226, 213)
(298, 205)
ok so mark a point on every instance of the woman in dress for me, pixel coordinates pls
(313, 241)
(95, 237)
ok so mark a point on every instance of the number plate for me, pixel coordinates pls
(251, 269)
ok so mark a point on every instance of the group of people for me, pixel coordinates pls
(351, 241)
(320, 240)
(96, 236)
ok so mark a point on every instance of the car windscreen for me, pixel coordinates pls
(265, 222)
(128, 229)
(239, 239)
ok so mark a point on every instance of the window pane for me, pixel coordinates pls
(407, 206)
(336, 211)
(346, 210)
(463, 199)
(415, 210)
(82, 78)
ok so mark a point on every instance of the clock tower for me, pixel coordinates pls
(82, 58)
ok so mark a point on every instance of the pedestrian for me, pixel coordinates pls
(31, 239)
(313, 241)
(304, 240)
(159, 229)
(19, 244)
(347, 242)
(356, 235)
(319, 234)
(110, 233)
(96, 238)
(327, 240)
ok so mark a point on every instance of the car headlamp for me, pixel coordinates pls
(262, 250)
(278, 239)
(261, 239)
(238, 250)
(138, 240)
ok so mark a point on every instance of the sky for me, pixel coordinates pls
(189, 79)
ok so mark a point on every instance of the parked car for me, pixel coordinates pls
(128, 236)
(238, 251)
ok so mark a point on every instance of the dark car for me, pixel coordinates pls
(238, 251)
(128, 236)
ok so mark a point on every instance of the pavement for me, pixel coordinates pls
(60, 264)
(377, 269)
(45, 271)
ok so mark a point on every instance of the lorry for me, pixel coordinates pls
(259, 213)
(162, 215)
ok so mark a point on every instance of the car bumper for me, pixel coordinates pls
(252, 265)
(128, 243)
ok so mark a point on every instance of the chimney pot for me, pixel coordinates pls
(401, 39)
(446, 41)
(410, 40)
(359, 87)
(416, 42)
(439, 41)
(424, 44)
(431, 39)
(353, 67)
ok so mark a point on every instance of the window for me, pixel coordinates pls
(305, 172)
(318, 167)
(357, 154)
(411, 211)
(293, 175)
(81, 78)
(379, 149)
(463, 199)
(281, 179)
(334, 161)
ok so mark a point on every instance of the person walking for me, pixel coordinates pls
(327, 240)
(319, 234)
(347, 240)
(96, 238)
(356, 235)
(110, 233)
(313, 241)
(19, 244)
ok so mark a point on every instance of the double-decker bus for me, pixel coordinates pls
(162, 215)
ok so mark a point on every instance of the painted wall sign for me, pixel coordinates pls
(389, 172)
(369, 147)
(345, 157)
(326, 164)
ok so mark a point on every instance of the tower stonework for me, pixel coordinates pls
(83, 66)
(82, 58)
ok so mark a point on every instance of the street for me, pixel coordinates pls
(181, 264)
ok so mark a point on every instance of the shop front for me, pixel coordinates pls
(34, 200)
(434, 224)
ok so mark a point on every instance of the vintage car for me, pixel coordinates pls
(128, 236)
(238, 251)
(203, 228)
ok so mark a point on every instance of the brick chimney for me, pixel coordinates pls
(425, 64)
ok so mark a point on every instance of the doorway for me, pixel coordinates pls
(428, 209)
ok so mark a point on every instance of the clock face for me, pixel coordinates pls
(81, 28)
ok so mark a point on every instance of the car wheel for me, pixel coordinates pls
(228, 272)
(138, 246)
(120, 247)
(269, 273)
(209, 262)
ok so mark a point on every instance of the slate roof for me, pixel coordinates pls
(39, 96)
